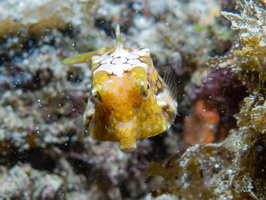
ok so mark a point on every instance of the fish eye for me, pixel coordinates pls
(145, 91)
(144, 86)
(96, 96)
(95, 93)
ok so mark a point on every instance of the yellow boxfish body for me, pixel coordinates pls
(129, 100)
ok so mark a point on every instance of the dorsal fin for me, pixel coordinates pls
(118, 36)
(118, 47)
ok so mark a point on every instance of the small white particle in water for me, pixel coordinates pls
(259, 148)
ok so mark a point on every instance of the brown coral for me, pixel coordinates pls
(241, 157)
(250, 51)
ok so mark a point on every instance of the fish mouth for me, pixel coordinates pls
(128, 144)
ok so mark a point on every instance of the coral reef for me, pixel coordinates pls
(219, 94)
(44, 152)
(235, 168)
(250, 51)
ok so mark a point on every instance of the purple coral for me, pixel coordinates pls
(222, 87)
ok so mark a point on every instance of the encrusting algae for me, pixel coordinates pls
(234, 168)
(129, 100)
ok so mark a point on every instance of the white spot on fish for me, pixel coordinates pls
(90, 112)
(133, 61)
(162, 103)
(119, 61)
(96, 59)
(125, 124)
(106, 60)
(132, 56)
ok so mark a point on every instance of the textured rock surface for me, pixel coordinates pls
(235, 168)
(44, 153)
